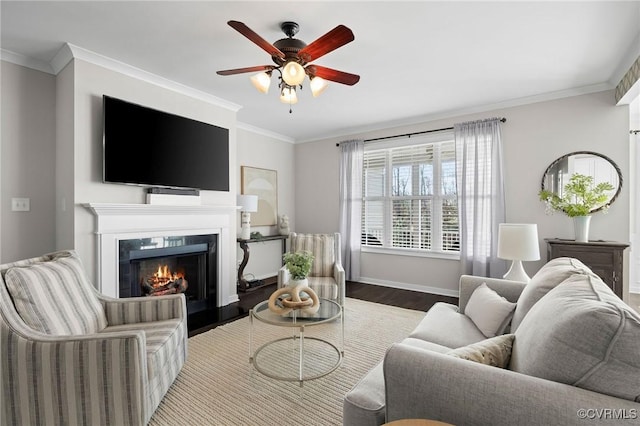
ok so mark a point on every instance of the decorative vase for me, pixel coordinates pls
(581, 228)
(294, 283)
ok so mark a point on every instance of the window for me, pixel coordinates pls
(409, 195)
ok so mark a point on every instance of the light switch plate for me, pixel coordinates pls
(20, 204)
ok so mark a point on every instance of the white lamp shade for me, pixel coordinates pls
(288, 96)
(317, 86)
(518, 241)
(248, 203)
(293, 73)
(261, 81)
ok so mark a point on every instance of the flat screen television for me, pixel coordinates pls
(146, 147)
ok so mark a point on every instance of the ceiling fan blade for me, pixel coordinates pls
(337, 37)
(247, 69)
(254, 37)
(333, 75)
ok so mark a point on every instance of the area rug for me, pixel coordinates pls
(218, 385)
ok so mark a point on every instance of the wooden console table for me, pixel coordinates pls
(244, 285)
(605, 258)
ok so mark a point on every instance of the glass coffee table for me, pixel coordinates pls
(297, 357)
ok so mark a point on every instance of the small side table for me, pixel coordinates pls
(243, 285)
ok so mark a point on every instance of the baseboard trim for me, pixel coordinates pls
(413, 287)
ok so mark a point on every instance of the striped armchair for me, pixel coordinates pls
(327, 276)
(71, 356)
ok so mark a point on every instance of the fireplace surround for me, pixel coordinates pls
(116, 223)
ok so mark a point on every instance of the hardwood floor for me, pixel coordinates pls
(204, 321)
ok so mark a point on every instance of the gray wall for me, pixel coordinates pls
(267, 152)
(51, 152)
(533, 136)
(27, 166)
(32, 145)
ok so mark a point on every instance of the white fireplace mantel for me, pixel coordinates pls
(115, 222)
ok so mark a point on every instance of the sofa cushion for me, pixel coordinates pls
(489, 311)
(364, 404)
(321, 246)
(444, 325)
(548, 277)
(163, 338)
(581, 334)
(495, 351)
(55, 296)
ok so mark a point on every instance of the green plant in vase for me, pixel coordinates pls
(299, 264)
(580, 196)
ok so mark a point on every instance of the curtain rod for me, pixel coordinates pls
(414, 133)
(634, 132)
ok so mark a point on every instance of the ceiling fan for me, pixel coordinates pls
(292, 57)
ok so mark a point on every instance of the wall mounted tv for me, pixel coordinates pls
(144, 146)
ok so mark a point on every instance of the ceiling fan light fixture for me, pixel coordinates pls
(293, 60)
(317, 86)
(293, 73)
(261, 81)
(288, 95)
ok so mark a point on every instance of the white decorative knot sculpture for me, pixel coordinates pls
(290, 299)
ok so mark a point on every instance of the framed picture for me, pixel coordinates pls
(264, 184)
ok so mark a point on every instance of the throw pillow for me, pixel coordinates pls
(489, 311)
(495, 351)
(55, 297)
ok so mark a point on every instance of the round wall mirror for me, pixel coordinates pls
(600, 167)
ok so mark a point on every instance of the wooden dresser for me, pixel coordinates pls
(605, 258)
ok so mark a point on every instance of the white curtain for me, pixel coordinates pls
(351, 162)
(481, 203)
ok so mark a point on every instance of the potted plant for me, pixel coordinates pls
(299, 265)
(580, 196)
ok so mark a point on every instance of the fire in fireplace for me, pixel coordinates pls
(163, 281)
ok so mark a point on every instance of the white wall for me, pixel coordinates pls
(27, 169)
(267, 152)
(533, 137)
(90, 83)
(64, 201)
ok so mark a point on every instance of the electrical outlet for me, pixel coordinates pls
(20, 204)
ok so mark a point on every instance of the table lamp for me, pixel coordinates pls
(247, 204)
(518, 242)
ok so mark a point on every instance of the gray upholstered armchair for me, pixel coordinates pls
(327, 276)
(73, 356)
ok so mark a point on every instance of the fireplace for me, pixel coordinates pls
(157, 266)
(172, 226)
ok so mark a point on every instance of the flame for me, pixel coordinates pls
(164, 275)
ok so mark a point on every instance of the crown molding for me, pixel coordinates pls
(264, 132)
(62, 57)
(69, 52)
(131, 71)
(578, 91)
(25, 61)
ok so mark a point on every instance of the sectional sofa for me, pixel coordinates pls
(569, 355)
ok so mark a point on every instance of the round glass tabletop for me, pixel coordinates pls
(328, 311)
